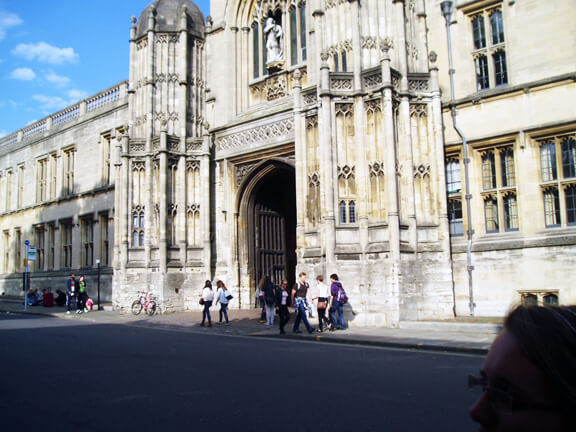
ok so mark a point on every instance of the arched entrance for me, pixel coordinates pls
(268, 210)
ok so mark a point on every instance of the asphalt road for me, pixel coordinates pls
(60, 375)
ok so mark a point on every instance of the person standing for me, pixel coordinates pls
(270, 300)
(208, 298)
(260, 298)
(222, 295)
(323, 300)
(283, 301)
(71, 293)
(300, 303)
(337, 303)
(82, 295)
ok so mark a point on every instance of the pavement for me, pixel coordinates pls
(459, 335)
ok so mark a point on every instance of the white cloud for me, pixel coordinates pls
(51, 104)
(23, 74)
(76, 95)
(45, 53)
(58, 80)
(8, 20)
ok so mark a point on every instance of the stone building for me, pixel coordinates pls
(280, 136)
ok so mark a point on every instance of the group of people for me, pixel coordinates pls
(222, 296)
(328, 301)
(76, 295)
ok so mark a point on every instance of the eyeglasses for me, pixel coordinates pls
(503, 400)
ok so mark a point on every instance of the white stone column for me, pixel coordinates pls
(163, 243)
(97, 239)
(327, 163)
(300, 154)
(235, 89)
(439, 166)
(46, 246)
(205, 204)
(125, 208)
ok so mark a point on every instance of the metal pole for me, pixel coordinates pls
(98, 262)
(27, 242)
(447, 8)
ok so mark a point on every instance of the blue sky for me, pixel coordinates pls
(55, 53)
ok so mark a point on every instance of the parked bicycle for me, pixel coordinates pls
(146, 301)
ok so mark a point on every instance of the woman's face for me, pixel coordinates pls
(518, 396)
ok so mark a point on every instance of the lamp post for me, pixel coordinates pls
(98, 264)
(447, 7)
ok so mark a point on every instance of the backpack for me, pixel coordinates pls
(342, 297)
(269, 297)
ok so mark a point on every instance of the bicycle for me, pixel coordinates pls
(146, 301)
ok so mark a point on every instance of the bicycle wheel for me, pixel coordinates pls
(136, 307)
(151, 308)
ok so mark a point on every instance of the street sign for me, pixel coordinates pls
(31, 255)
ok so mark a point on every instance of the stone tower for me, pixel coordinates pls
(162, 197)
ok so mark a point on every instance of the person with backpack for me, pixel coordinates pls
(338, 300)
(269, 291)
(300, 303)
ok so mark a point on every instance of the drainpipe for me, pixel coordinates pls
(447, 9)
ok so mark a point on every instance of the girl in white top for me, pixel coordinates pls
(323, 291)
(208, 297)
(222, 297)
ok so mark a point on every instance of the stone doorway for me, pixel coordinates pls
(271, 223)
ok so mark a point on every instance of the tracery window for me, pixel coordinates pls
(138, 226)
(39, 243)
(347, 212)
(41, 179)
(499, 188)
(66, 240)
(489, 50)
(558, 174)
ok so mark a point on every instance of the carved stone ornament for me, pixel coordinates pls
(418, 85)
(341, 83)
(372, 80)
(329, 4)
(372, 106)
(193, 208)
(282, 129)
(314, 179)
(376, 168)
(137, 146)
(346, 171)
(276, 87)
(422, 170)
(192, 165)
(311, 122)
(310, 97)
(418, 110)
(193, 146)
(242, 171)
(138, 165)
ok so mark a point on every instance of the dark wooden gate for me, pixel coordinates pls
(270, 242)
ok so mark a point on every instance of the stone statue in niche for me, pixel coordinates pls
(274, 43)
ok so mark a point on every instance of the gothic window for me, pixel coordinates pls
(18, 254)
(138, 226)
(507, 167)
(41, 180)
(105, 141)
(104, 240)
(51, 245)
(172, 225)
(570, 197)
(489, 43)
(558, 173)
(66, 243)
(568, 147)
(20, 190)
(87, 242)
(491, 214)
(455, 216)
(510, 212)
(453, 177)
(499, 188)
(69, 171)
(347, 212)
(138, 182)
(7, 250)
(488, 170)
(298, 34)
(172, 180)
(53, 174)
(8, 190)
(551, 207)
(39, 243)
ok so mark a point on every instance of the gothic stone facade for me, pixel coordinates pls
(280, 136)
